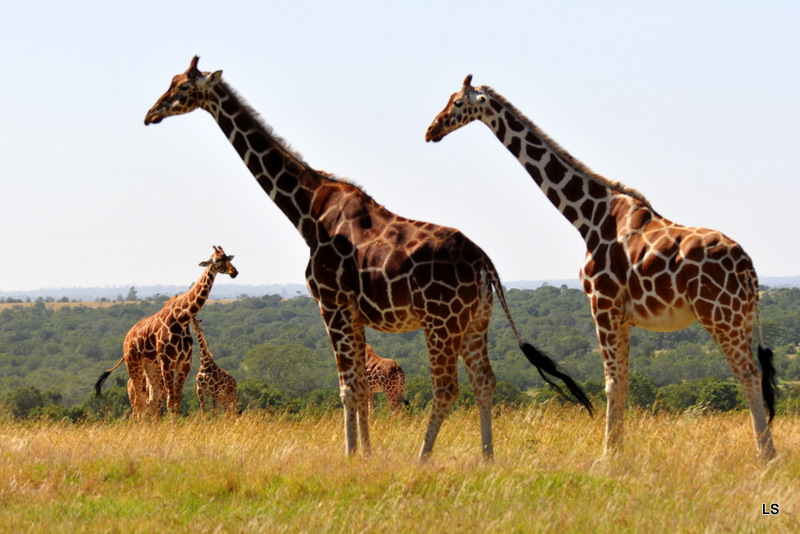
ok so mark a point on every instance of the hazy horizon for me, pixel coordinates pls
(230, 289)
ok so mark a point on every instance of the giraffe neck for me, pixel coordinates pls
(283, 176)
(583, 197)
(188, 305)
(206, 358)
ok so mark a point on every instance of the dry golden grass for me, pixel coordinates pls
(267, 473)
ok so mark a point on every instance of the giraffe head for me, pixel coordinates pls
(219, 262)
(465, 106)
(186, 93)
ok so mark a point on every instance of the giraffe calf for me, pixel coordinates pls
(385, 376)
(212, 379)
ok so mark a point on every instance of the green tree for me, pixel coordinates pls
(257, 394)
(114, 404)
(323, 400)
(419, 392)
(509, 394)
(642, 390)
(677, 397)
(25, 401)
(718, 394)
(290, 368)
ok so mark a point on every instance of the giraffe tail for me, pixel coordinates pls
(99, 384)
(768, 379)
(543, 363)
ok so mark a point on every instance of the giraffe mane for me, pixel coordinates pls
(284, 145)
(564, 154)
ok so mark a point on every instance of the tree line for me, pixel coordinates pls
(279, 352)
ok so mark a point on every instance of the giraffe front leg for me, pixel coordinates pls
(347, 338)
(614, 341)
(201, 398)
(616, 396)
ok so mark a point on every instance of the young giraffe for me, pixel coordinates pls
(212, 379)
(640, 269)
(158, 349)
(368, 266)
(385, 376)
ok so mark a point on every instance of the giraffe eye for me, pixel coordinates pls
(458, 103)
(184, 86)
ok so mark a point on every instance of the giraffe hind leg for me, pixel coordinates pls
(443, 355)
(474, 353)
(756, 383)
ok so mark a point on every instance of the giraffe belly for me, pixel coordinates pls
(392, 321)
(662, 318)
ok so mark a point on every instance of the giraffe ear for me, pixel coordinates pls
(209, 80)
(205, 263)
(229, 257)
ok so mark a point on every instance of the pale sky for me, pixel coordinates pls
(695, 104)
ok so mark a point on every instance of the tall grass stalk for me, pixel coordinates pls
(272, 473)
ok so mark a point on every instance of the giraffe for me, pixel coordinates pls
(157, 351)
(134, 393)
(640, 269)
(369, 267)
(212, 379)
(385, 376)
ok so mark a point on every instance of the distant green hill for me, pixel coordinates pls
(226, 290)
(281, 343)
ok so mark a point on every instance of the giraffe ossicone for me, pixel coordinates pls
(369, 267)
(640, 268)
(157, 351)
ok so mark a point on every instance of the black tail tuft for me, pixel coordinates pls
(99, 383)
(767, 380)
(544, 364)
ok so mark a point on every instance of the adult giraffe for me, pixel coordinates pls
(368, 266)
(157, 351)
(640, 269)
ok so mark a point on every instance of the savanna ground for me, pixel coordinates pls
(275, 473)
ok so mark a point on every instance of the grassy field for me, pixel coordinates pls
(269, 473)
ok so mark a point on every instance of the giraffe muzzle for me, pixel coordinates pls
(433, 134)
(152, 118)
